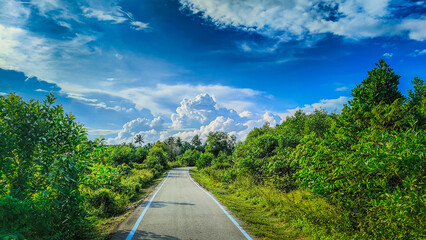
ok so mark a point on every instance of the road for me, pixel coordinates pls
(180, 209)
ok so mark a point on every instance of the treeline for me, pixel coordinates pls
(369, 160)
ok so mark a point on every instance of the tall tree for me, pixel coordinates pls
(196, 142)
(379, 88)
(139, 139)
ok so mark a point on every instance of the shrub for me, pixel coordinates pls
(108, 202)
(204, 160)
(189, 158)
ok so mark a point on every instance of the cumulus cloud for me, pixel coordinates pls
(199, 115)
(151, 130)
(300, 19)
(161, 97)
(198, 111)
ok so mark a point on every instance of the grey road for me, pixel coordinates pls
(180, 209)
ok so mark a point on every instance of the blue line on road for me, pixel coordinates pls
(144, 211)
(223, 209)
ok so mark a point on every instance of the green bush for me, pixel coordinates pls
(204, 160)
(123, 154)
(43, 155)
(157, 158)
(189, 158)
(108, 202)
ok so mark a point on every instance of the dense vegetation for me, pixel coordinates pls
(368, 162)
(57, 184)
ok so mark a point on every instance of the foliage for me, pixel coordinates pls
(189, 158)
(107, 202)
(44, 154)
(368, 161)
(157, 158)
(220, 142)
(204, 160)
(54, 182)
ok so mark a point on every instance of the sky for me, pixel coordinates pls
(165, 68)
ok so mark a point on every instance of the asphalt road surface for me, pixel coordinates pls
(179, 209)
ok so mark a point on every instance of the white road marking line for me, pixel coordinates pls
(144, 211)
(223, 209)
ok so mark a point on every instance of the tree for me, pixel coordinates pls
(196, 141)
(43, 155)
(379, 88)
(417, 102)
(139, 139)
(157, 158)
(220, 141)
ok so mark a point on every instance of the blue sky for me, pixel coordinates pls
(183, 67)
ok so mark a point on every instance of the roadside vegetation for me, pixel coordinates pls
(358, 174)
(57, 184)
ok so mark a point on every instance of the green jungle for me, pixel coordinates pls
(355, 174)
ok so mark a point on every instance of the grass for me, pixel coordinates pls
(271, 214)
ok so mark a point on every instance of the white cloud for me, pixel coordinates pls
(3, 94)
(161, 97)
(415, 27)
(41, 90)
(137, 25)
(388, 55)
(247, 114)
(199, 115)
(193, 113)
(341, 89)
(328, 104)
(418, 52)
(151, 130)
(13, 12)
(114, 15)
(301, 19)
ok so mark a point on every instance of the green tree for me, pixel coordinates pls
(196, 142)
(417, 102)
(43, 155)
(220, 141)
(157, 158)
(189, 158)
(379, 88)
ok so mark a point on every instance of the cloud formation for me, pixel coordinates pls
(302, 20)
(199, 115)
(151, 130)
(201, 110)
